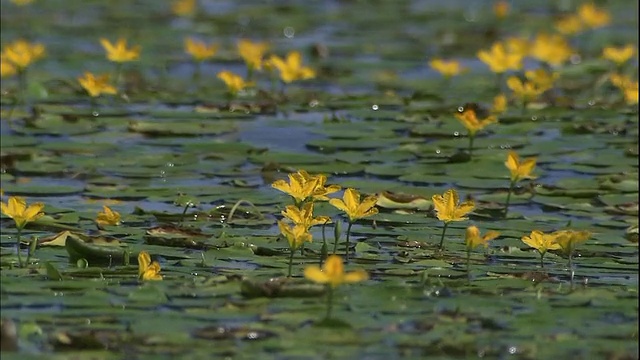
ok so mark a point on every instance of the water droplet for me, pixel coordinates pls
(313, 103)
(575, 59)
(438, 151)
(591, 102)
(95, 113)
(169, 165)
(374, 107)
(534, 118)
(455, 133)
(513, 350)
(460, 109)
(289, 32)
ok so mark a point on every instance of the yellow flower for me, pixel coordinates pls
(446, 68)
(499, 59)
(501, 8)
(524, 90)
(252, 53)
(119, 52)
(108, 217)
(183, 7)
(592, 16)
(304, 217)
(517, 45)
(628, 87)
(199, 50)
(22, 2)
(569, 239)
(303, 186)
(541, 241)
(7, 68)
(291, 69)
(148, 270)
(353, 207)
(520, 170)
(569, 25)
(235, 83)
(552, 49)
(16, 208)
(22, 53)
(470, 120)
(499, 104)
(542, 79)
(332, 273)
(296, 235)
(448, 206)
(473, 239)
(618, 55)
(96, 85)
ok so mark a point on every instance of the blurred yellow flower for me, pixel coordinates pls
(6, 67)
(16, 208)
(108, 217)
(234, 82)
(22, 53)
(542, 79)
(474, 239)
(501, 8)
(619, 55)
(517, 45)
(446, 68)
(353, 207)
(628, 87)
(296, 235)
(526, 91)
(148, 270)
(183, 7)
(199, 50)
(569, 25)
(119, 52)
(520, 169)
(499, 59)
(96, 85)
(333, 274)
(304, 217)
(252, 53)
(469, 119)
(448, 207)
(593, 16)
(291, 69)
(22, 2)
(569, 239)
(552, 49)
(499, 104)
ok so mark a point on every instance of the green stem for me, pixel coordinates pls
(291, 261)
(18, 244)
(346, 247)
(506, 206)
(22, 84)
(444, 229)
(249, 73)
(471, 138)
(323, 252)
(93, 105)
(32, 249)
(542, 260)
(571, 273)
(116, 77)
(184, 212)
(468, 265)
(329, 301)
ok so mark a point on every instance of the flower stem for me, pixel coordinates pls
(571, 273)
(329, 301)
(468, 265)
(184, 212)
(506, 206)
(18, 246)
(323, 251)
(291, 261)
(22, 81)
(542, 260)
(444, 229)
(346, 246)
(471, 138)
